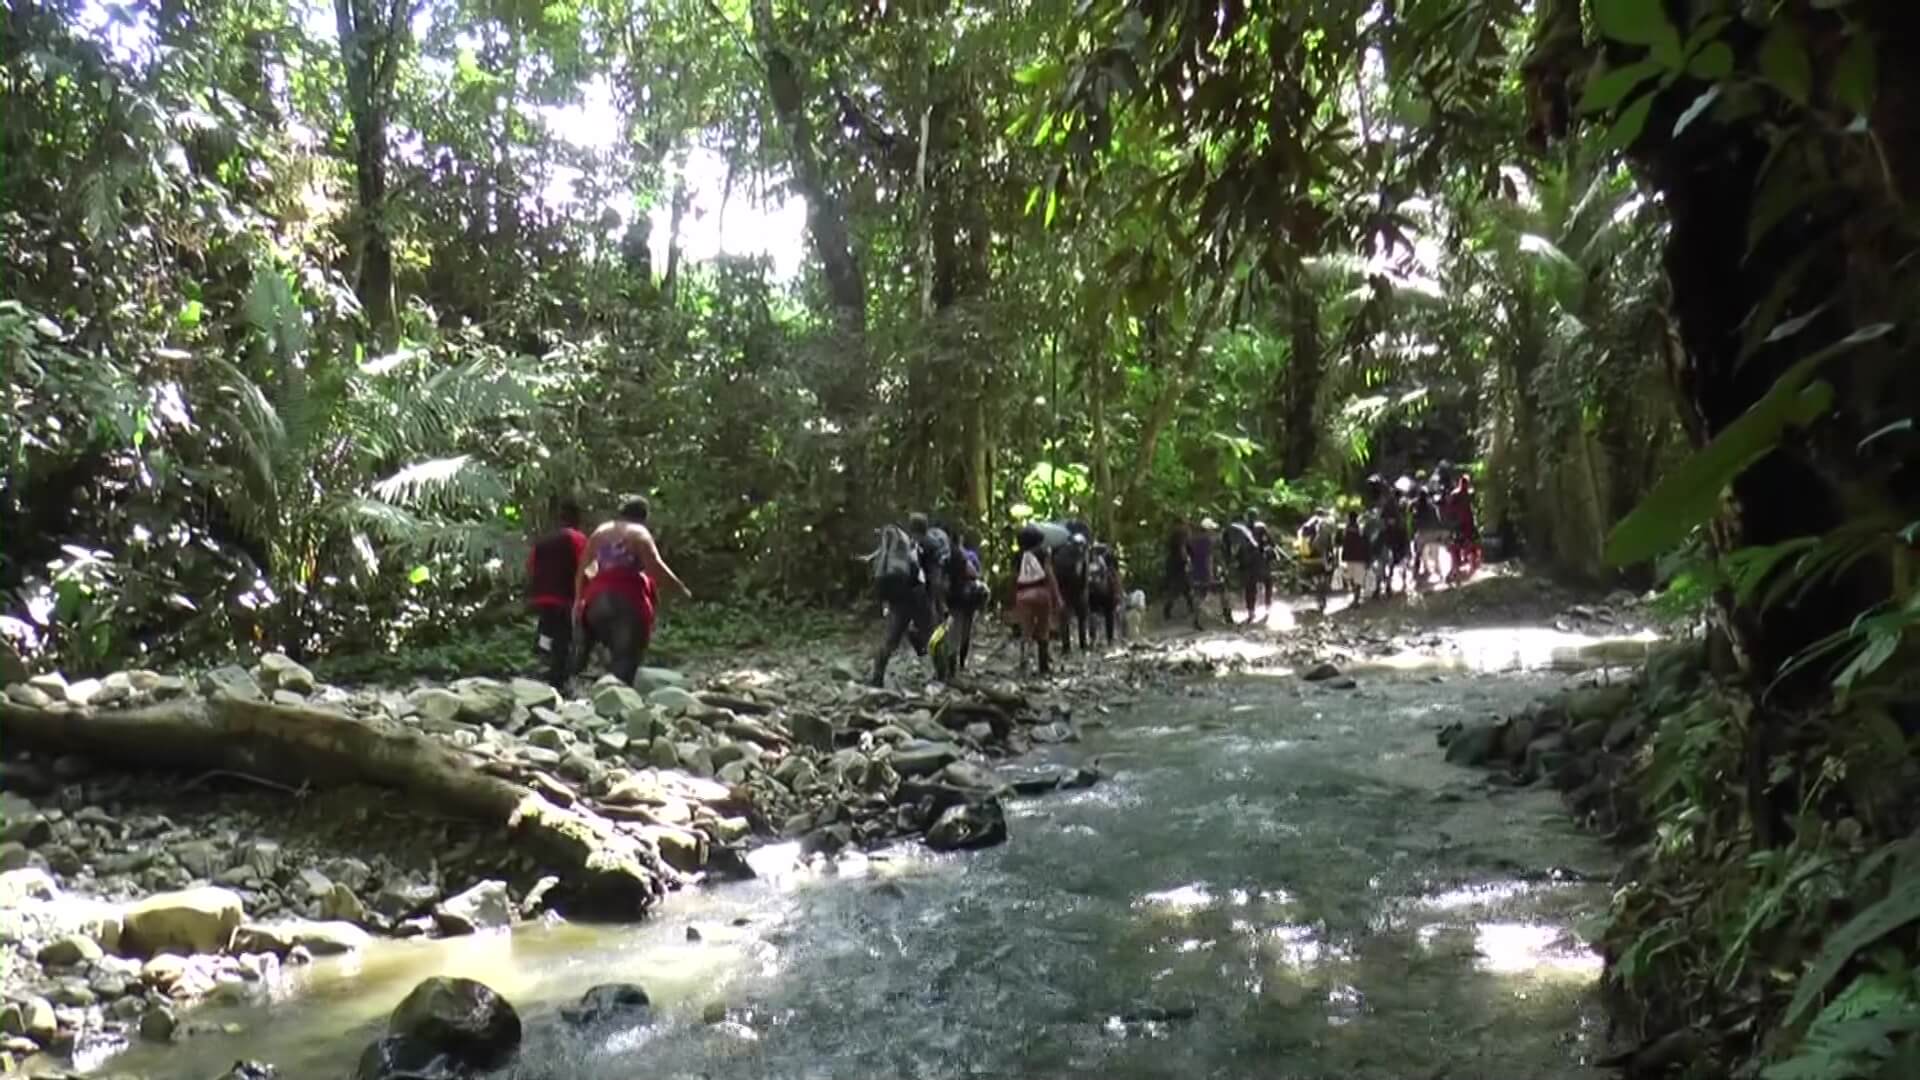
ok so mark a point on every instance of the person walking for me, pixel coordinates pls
(618, 595)
(553, 569)
(1036, 598)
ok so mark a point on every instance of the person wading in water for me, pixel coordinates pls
(616, 589)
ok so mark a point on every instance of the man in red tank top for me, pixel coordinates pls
(553, 565)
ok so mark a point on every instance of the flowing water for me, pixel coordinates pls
(1277, 881)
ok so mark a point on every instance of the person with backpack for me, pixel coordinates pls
(936, 550)
(1243, 559)
(966, 598)
(553, 567)
(900, 581)
(616, 586)
(1355, 555)
(1036, 598)
(1430, 535)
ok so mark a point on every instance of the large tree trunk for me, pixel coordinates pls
(607, 867)
(1306, 367)
(372, 34)
(826, 217)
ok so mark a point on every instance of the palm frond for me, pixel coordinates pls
(445, 482)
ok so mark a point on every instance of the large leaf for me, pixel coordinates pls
(1783, 60)
(1610, 88)
(1689, 494)
(1900, 907)
(1636, 22)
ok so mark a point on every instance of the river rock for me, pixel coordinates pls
(342, 905)
(1474, 745)
(69, 950)
(462, 1018)
(278, 672)
(157, 1024)
(966, 774)
(483, 907)
(610, 1002)
(813, 731)
(435, 705)
(230, 681)
(29, 695)
(321, 938)
(921, 757)
(1601, 703)
(618, 702)
(1588, 735)
(796, 772)
(968, 825)
(395, 1058)
(485, 701)
(663, 754)
(1321, 672)
(51, 683)
(530, 694)
(314, 883)
(32, 1017)
(194, 921)
(649, 679)
(202, 858)
(1544, 755)
(548, 737)
(675, 701)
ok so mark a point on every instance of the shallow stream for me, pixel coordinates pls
(1278, 880)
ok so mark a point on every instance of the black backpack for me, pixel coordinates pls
(896, 561)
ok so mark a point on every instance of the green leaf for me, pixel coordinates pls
(1900, 907)
(190, 313)
(1783, 60)
(1856, 77)
(1689, 494)
(1712, 63)
(1636, 22)
(1044, 71)
(1626, 129)
(1053, 205)
(419, 575)
(1610, 88)
(1700, 105)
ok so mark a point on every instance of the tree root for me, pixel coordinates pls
(605, 867)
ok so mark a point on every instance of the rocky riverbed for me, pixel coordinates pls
(124, 895)
(129, 895)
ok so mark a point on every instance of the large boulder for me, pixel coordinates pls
(968, 825)
(394, 1057)
(461, 1018)
(435, 706)
(610, 1003)
(485, 701)
(484, 907)
(190, 921)
(1601, 703)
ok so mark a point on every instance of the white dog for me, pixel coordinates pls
(1133, 617)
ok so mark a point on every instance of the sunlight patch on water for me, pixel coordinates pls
(1523, 948)
(1475, 895)
(1217, 650)
(1182, 899)
(1531, 648)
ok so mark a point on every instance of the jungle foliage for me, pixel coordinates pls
(306, 312)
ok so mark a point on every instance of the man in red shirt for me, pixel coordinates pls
(552, 568)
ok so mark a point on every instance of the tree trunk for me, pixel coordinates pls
(1176, 382)
(826, 217)
(1306, 367)
(371, 37)
(608, 867)
(669, 283)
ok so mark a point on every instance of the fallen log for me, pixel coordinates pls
(604, 869)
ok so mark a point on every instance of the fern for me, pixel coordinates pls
(1844, 1049)
(1900, 907)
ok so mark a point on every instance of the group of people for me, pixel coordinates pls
(596, 589)
(1247, 551)
(934, 591)
(1400, 539)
